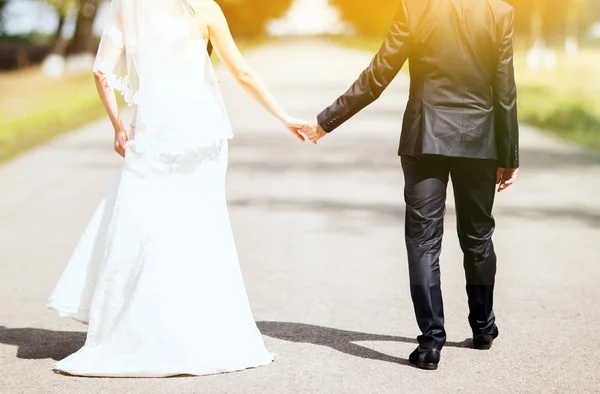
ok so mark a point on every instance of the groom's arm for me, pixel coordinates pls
(376, 78)
(504, 90)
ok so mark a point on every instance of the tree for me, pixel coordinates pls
(579, 18)
(3, 4)
(83, 38)
(536, 15)
(63, 9)
(542, 19)
(247, 18)
(362, 15)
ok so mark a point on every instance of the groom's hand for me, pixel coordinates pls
(314, 131)
(505, 177)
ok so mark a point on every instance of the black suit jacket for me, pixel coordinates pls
(463, 95)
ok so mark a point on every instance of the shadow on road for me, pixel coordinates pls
(340, 340)
(393, 214)
(375, 155)
(560, 214)
(35, 343)
(277, 154)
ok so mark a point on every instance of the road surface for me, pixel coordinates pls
(320, 235)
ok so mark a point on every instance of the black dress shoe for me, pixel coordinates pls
(484, 341)
(425, 358)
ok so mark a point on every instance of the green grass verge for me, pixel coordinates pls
(34, 108)
(572, 117)
(564, 101)
(38, 109)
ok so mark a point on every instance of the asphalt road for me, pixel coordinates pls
(320, 236)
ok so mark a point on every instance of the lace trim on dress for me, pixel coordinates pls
(164, 157)
(116, 35)
(121, 84)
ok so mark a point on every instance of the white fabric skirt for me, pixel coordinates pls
(156, 273)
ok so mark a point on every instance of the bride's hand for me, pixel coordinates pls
(121, 139)
(294, 126)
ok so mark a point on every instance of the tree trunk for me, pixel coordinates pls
(3, 4)
(537, 24)
(539, 55)
(58, 44)
(574, 22)
(83, 37)
(571, 40)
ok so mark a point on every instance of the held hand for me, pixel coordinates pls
(505, 177)
(294, 126)
(314, 131)
(121, 139)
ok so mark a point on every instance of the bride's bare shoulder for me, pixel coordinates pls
(206, 9)
(208, 14)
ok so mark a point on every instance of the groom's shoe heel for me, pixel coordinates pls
(427, 359)
(482, 346)
(427, 366)
(485, 342)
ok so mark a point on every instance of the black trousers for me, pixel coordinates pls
(474, 183)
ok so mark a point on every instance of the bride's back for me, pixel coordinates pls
(156, 50)
(165, 42)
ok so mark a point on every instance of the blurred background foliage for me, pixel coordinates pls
(247, 18)
(562, 98)
(536, 18)
(363, 17)
(550, 21)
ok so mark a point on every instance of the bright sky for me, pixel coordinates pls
(304, 17)
(309, 17)
(24, 16)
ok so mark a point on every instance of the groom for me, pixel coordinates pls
(461, 124)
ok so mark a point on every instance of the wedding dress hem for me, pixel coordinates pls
(75, 314)
(175, 372)
(68, 312)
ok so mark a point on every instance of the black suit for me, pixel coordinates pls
(460, 122)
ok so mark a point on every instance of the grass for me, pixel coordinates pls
(34, 108)
(564, 101)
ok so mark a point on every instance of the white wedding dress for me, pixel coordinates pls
(156, 274)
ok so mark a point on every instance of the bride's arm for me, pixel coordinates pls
(227, 50)
(110, 51)
(108, 98)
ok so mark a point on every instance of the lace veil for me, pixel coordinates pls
(154, 54)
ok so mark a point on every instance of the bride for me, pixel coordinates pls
(156, 274)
